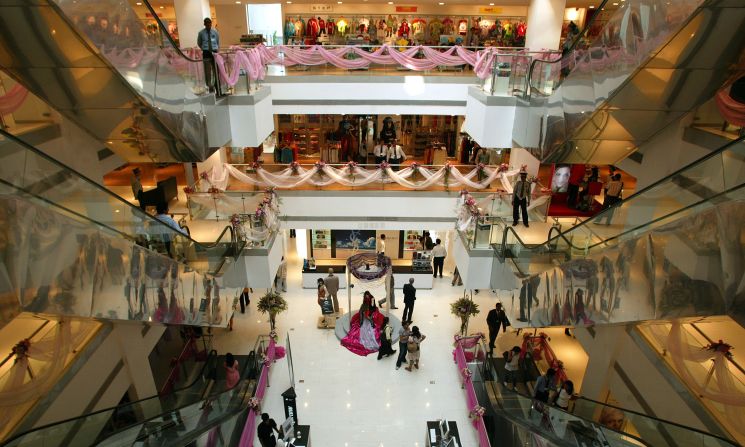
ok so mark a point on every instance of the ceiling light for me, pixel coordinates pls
(339, 3)
(615, 4)
(592, 6)
(491, 4)
(162, 7)
(289, 3)
(390, 3)
(441, 3)
(139, 3)
(237, 3)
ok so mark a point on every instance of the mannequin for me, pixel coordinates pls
(388, 132)
(404, 30)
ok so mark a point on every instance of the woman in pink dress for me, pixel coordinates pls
(232, 375)
(363, 337)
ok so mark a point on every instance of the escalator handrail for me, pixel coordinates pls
(136, 210)
(570, 50)
(207, 361)
(667, 178)
(164, 31)
(654, 418)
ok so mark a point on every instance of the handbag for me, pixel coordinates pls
(412, 346)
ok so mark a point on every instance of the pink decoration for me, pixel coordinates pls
(13, 99)
(249, 430)
(471, 399)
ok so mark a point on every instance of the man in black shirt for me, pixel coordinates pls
(266, 430)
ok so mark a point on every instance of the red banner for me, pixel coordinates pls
(406, 8)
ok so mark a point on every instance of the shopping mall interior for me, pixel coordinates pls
(372, 223)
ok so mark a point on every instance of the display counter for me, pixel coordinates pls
(310, 277)
(402, 271)
(434, 435)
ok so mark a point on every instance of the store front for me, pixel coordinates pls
(329, 249)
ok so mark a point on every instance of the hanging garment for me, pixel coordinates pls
(448, 26)
(463, 27)
(330, 27)
(285, 155)
(404, 29)
(342, 26)
(299, 27)
(289, 28)
(321, 26)
(312, 28)
(435, 29)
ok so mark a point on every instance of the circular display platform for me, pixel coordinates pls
(342, 323)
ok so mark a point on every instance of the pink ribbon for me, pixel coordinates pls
(13, 99)
(249, 430)
(471, 399)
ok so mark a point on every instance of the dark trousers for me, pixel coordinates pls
(519, 205)
(408, 312)
(572, 192)
(210, 72)
(292, 233)
(385, 348)
(493, 332)
(402, 350)
(245, 301)
(524, 300)
(379, 160)
(437, 264)
(272, 442)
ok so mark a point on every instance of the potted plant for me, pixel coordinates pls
(273, 304)
(464, 308)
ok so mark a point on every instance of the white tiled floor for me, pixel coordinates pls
(359, 401)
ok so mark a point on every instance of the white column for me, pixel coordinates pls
(190, 16)
(545, 18)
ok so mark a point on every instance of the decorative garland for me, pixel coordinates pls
(721, 347)
(20, 350)
(254, 404)
(358, 266)
(476, 413)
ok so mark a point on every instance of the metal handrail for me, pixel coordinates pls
(164, 31)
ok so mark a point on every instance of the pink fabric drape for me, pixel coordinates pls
(13, 99)
(249, 430)
(471, 399)
(732, 111)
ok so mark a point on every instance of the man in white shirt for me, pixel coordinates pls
(438, 257)
(380, 153)
(396, 156)
(381, 244)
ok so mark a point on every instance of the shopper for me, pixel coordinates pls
(245, 300)
(165, 234)
(566, 393)
(208, 40)
(544, 385)
(391, 293)
(282, 275)
(512, 366)
(427, 241)
(438, 257)
(613, 192)
(380, 153)
(413, 348)
(321, 292)
(521, 199)
(395, 155)
(136, 182)
(381, 244)
(385, 340)
(266, 430)
(457, 280)
(496, 318)
(403, 339)
(409, 298)
(232, 374)
(332, 287)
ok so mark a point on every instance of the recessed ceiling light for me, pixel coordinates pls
(441, 3)
(289, 3)
(162, 7)
(390, 3)
(615, 4)
(339, 3)
(491, 4)
(139, 3)
(237, 3)
(592, 6)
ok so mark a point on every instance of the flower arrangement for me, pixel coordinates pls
(254, 404)
(214, 191)
(204, 175)
(189, 190)
(722, 347)
(273, 335)
(255, 165)
(260, 213)
(446, 177)
(415, 166)
(20, 350)
(477, 412)
(384, 165)
(265, 360)
(295, 166)
(504, 167)
(235, 220)
(272, 303)
(320, 165)
(351, 167)
(464, 192)
(466, 373)
(464, 308)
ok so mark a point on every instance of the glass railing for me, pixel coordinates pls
(572, 428)
(156, 421)
(716, 177)
(590, 74)
(151, 63)
(30, 170)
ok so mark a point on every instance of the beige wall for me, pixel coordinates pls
(232, 23)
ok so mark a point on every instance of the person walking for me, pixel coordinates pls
(245, 300)
(413, 348)
(208, 40)
(332, 287)
(543, 385)
(403, 339)
(391, 293)
(512, 366)
(282, 275)
(385, 340)
(521, 199)
(565, 394)
(438, 257)
(381, 244)
(409, 298)
(496, 318)
(136, 182)
(232, 374)
(613, 190)
(265, 431)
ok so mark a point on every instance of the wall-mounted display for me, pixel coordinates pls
(321, 239)
(355, 239)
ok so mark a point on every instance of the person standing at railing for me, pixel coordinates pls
(613, 191)
(521, 199)
(208, 40)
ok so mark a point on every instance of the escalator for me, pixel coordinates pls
(206, 405)
(514, 418)
(96, 63)
(658, 254)
(100, 256)
(653, 62)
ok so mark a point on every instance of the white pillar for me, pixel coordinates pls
(190, 16)
(545, 18)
